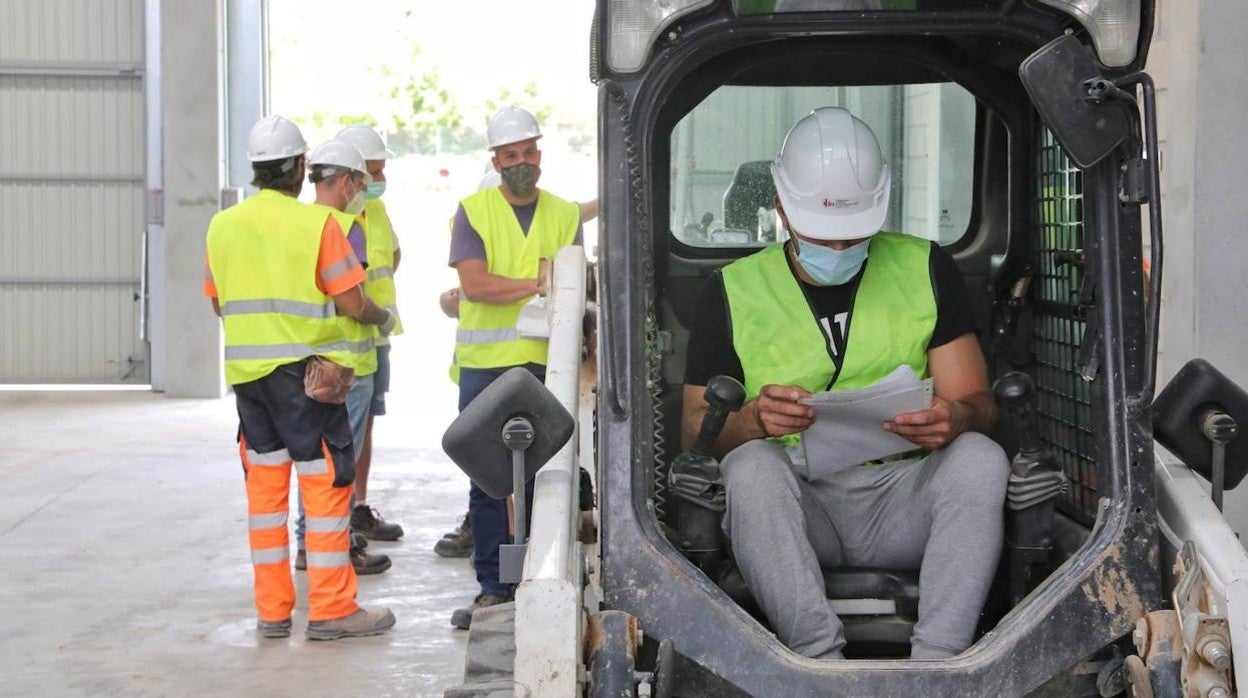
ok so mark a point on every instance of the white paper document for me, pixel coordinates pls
(848, 427)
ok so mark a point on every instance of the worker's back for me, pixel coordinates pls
(263, 257)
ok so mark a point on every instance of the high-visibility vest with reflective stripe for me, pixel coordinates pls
(779, 340)
(362, 338)
(487, 336)
(379, 235)
(263, 256)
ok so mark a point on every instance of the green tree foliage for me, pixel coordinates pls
(529, 97)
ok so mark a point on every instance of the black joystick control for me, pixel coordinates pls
(1016, 394)
(723, 396)
(1036, 479)
(696, 483)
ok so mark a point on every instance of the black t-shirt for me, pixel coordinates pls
(711, 352)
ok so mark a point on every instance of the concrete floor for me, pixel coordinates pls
(124, 567)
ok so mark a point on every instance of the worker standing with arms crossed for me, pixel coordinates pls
(280, 273)
(500, 237)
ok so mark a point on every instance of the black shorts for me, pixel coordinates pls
(274, 413)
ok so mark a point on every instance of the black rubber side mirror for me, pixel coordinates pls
(1055, 77)
(475, 440)
(1198, 408)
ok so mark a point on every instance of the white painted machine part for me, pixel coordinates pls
(534, 321)
(548, 600)
(1187, 513)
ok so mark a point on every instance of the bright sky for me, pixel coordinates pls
(328, 56)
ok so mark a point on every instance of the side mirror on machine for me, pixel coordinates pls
(1197, 417)
(1057, 76)
(479, 444)
(504, 436)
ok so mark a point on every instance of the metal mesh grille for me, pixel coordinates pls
(1065, 399)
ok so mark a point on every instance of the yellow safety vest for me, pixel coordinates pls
(379, 236)
(263, 257)
(779, 341)
(363, 338)
(487, 336)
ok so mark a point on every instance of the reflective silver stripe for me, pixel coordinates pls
(269, 556)
(267, 520)
(328, 524)
(375, 273)
(339, 268)
(312, 467)
(485, 336)
(275, 305)
(292, 351)
(328, 559)
(281, 457)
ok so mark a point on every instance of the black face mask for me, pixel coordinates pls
(521, 178)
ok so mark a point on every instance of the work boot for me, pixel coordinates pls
(368, 521)
(273, 628)
(301, 559)
(462, 617)
(362, 623)
(368, 564)
(457, 543)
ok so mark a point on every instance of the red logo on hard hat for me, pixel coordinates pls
(829, 203)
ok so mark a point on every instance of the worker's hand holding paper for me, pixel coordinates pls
(848, 427)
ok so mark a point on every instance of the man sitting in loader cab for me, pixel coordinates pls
(838, 306)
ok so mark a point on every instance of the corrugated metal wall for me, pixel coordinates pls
(72, 160)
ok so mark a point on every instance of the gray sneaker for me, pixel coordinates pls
(362, 623)
(273, 628)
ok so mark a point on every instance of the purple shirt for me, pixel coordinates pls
(466, 242)
(358, 244)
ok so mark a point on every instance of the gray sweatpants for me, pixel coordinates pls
(942, 515)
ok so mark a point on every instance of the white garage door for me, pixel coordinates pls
(72, 192)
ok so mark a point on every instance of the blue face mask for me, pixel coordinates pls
(829, 267)
(375, 190)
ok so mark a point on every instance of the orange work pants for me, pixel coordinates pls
(280, 427)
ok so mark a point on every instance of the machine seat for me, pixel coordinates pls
(877, 607)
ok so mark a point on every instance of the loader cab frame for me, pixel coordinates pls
(1051, 257)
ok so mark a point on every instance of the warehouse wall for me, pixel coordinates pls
(72, 167)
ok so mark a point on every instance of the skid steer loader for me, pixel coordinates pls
(1022, 134)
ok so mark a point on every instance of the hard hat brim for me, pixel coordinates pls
(534, 137)
(386, 154)
(808, 216)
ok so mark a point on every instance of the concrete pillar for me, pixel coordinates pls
(191, 85)
(1197, 58)
(246, 86)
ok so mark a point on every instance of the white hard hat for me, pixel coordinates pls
(274, 138)
(367, 141)
(511, 125)
(831, 177)
(339, 154)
